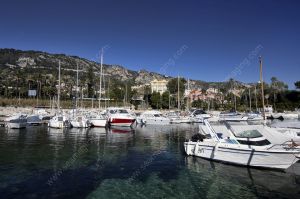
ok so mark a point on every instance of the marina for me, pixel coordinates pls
(150, 99)
(39, 161)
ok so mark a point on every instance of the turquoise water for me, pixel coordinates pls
(147, 162)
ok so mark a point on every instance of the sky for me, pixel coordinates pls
(210, 40)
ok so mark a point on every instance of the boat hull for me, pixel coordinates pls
(180, 120)
(155, 121)
(121, 122)
(56, 124)
(79, 124)
(16, 125)
(98, 122)
(246, 157)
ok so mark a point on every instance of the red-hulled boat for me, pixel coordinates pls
(120, 117)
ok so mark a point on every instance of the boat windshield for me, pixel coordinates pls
(157, 115)
(249, 134)
(123, 111)
(255, 143)
(198, 112)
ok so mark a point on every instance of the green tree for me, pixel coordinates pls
(173, 86)
(165, 100)
(91, 81)
(155, 100)
(147, 94)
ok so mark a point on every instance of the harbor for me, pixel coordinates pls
(150, 99)
(148, 161)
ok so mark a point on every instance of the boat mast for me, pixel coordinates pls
(262, 88)
(76, 87)
(188, 97)
(178, 101)
(255, 98)
(250, 99)
(58, 95)
(100, 84)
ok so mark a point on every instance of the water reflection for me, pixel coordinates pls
(97, 162)
(262, 182)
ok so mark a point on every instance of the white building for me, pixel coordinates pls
(158, 86)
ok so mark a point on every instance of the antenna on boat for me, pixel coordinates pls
(262, 87)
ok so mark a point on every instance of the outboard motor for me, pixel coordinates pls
(198, 137)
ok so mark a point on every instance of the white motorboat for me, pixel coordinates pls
(59, 121)
(199, 115)
(247, 147)
(295, 124)
(153, 117)
(120, 117)
(97, 120)
(17, 121)
(289, 128)
(254, 116)
(177, 118)
(233, 117)
(290, 133)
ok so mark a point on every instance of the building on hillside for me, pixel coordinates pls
(202, 95)
(140, 89)
(212, 90)
(159, 86)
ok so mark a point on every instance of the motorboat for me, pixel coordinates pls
(97, 119)
(287, 124)
(199, 115)
(17, 121)
(153, 117)
(120, 117)
(176, 117)
(244, 146)
(254, 116)
(232, 116)
(289, 128)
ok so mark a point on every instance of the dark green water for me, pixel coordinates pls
(148, 162)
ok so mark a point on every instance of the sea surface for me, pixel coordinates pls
(148, 162)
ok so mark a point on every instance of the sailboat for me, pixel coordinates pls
(176, 117)
(98, 119)
(78, 120)
(60, 120)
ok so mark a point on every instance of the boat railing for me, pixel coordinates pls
(290, 144)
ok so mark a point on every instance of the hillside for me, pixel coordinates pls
(17, 59)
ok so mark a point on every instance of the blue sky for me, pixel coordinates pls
(197, 39)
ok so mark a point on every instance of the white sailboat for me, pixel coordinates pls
(60, 120)
(78, 119)
(97, 119)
